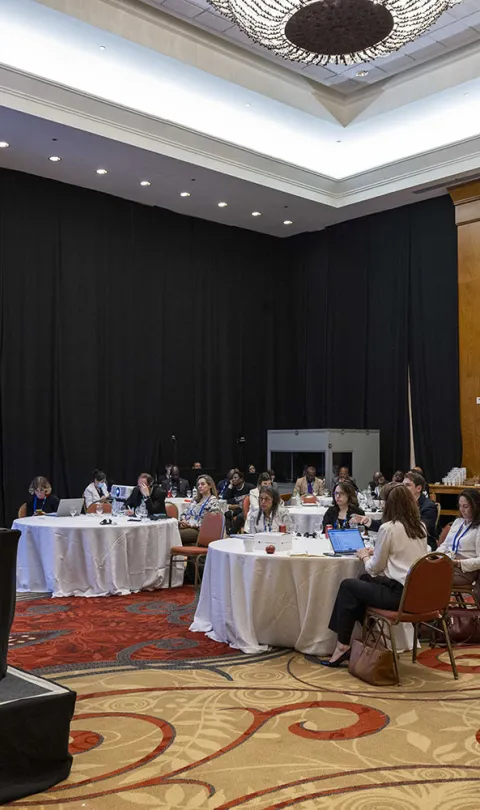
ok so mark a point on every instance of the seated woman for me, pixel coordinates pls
(402, 539)
(263, 480)
(462, 543)
(205, 502)
(346, 505)
(41, 498)
(152, 495)
(271, 513)
(97, 491)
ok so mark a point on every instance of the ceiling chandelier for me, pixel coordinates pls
(338, 31)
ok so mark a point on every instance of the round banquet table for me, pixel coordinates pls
(79, 557)
(254, 601)
(310, 518)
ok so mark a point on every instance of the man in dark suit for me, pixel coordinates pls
(175, 483)
(428, 509)
(151, 494)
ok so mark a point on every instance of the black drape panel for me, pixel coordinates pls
(122, 324)
(434, 373)
(354, 307)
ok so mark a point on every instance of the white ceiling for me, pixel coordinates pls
(455, 29)
(124, 82)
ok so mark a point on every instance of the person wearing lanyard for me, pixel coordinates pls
(346, 505)
(271, 513)
(462, 543)
(206, 501)
(40, 498)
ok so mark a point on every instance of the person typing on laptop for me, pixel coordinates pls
(402, 539)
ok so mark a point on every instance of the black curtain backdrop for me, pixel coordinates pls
(122, 324)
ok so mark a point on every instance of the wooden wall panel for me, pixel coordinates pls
(467, 202)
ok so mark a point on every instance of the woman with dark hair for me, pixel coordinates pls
(462, 543)
(97, 491)
(398, 477)
(271, 513)
(206, 501)
(40, 498)
(402, 539)
(345, 505)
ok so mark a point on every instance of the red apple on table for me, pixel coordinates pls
(270, 549)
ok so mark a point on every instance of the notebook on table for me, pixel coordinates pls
(345, 541)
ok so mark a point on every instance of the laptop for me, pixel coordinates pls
(66, 505)
(345, 541)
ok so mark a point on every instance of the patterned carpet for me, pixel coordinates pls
(169, 719)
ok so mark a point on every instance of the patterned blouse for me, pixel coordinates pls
(282, 518)
(195, 512)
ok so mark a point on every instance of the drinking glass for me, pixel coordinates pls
(73, 511)
(99, 509)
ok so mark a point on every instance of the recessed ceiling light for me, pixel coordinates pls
(145, 183)
(466, 94)
(55, 158)
(256, 214)
(338, 141)
(4, 145)
(102, 171)
(287, 222)
(184, 194)
(361, 74)
(248, 105)
(222, 204)
(103, 47)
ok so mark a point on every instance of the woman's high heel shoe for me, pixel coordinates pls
(339, 661)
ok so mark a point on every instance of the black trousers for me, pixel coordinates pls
(355, 595)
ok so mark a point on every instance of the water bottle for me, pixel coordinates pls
(114, 507)
(189, 494)
(195, 492)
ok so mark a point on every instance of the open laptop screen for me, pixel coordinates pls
(345, 541)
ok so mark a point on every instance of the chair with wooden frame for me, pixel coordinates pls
(286, 496)
(212, 528)
(22, 512)
(425, 599)
(92, 509)
(246, 506)
(171, 510)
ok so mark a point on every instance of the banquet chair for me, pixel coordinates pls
(246, 506)
(92, 509)
(22, 512)
(439, 509)
(172, 510)
(425, 599)
(285, 496)
(212, 528)
(309, 499)
(443, 533)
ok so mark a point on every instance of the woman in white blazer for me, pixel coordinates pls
(97, 491)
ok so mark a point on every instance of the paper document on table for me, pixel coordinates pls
(305, 554)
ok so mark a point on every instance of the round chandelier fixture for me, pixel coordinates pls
(319, 32)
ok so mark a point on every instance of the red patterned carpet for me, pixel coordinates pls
(169, 719)
(60, 634)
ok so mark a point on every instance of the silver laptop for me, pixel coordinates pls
(67, 505)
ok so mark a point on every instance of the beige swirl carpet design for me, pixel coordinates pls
(167, 719)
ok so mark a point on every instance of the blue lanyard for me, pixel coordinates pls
(35, 504)
(456, 539)
(267, 527)
(223, 489)
(203, 507)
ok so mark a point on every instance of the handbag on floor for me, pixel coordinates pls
(464, 625)
(371, 661)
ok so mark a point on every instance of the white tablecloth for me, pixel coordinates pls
(79, 557)
(310, 518)
(254, 601)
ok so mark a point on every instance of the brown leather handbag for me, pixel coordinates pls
(371, 661)
(464, 625)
